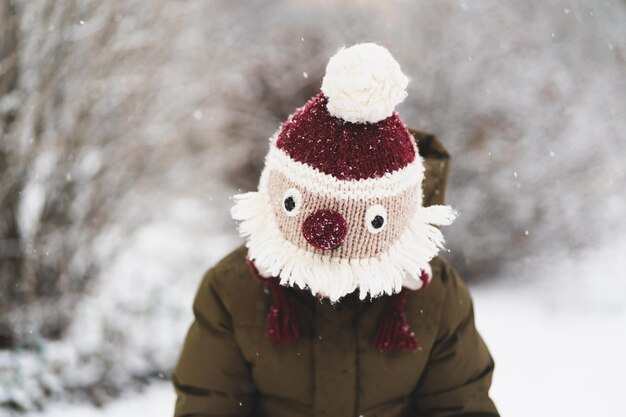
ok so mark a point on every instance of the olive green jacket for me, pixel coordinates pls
(228, 366)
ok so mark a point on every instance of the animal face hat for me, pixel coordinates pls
(339, 202)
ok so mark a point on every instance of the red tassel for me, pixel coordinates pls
(282, 319)
(394, 331)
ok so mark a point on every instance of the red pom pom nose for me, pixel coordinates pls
(325, 229)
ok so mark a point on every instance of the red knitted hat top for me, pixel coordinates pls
(345, 150)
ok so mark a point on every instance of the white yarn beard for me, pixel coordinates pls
(333, 278)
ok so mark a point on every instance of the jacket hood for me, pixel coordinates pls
(436, 165)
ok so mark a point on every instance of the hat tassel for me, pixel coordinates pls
(282, 319)
(283, 325)
(394, 331)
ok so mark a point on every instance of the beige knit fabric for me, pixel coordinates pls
(359, 242)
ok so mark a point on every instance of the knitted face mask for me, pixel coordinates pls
(339, 202)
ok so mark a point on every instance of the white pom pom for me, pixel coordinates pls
(363, 83)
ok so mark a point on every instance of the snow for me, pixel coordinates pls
(112, 340)
(552, 363)
(557, 337)
(527, 98)
(157, 400)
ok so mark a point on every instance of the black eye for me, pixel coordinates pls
(375, 218)
(289, 203)
(292, 200)
(377, 222)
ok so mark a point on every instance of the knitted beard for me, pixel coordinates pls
(339, 203)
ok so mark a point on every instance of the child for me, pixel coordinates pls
(338, 305)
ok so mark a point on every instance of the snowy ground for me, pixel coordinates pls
(157, 400)
(558, 338)
(553, 360)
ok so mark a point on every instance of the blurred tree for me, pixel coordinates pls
(71, 152)
(10, 185)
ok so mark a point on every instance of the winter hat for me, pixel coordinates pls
(339, 202)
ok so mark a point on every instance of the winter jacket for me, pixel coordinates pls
(229, 367)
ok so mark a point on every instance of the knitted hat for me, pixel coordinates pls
(339, 203)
